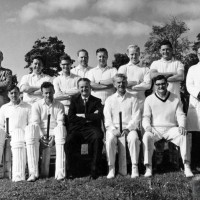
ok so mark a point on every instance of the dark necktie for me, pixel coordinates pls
(85, 104)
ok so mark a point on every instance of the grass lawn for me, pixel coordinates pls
(171, 185)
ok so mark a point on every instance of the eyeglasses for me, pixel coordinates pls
(160, 84)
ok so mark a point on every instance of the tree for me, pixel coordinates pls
(173, 31)
(120, 59)
(50, 49)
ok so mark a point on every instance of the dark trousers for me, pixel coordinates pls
(195, 153)
(87, 134)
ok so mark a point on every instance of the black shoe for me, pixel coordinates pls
(70, 175)
(93, 175)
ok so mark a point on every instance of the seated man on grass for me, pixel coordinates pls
(37, 131)
(128, 105)
(163, 118)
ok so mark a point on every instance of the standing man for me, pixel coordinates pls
(18, 113)
(5, 82)
(30, 84)
(193, 116)
(138, 76)
(163, 117)
(101, 77)
(82, 69)
(126, 103)
(37, 132)
(172, 69)
(66, 83)
(85, 115)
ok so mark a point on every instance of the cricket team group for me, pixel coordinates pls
(82, 105)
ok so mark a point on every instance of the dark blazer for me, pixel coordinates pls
(77, 107)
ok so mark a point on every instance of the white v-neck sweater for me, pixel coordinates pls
(163, 113)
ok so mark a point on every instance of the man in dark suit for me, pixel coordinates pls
(85, 115)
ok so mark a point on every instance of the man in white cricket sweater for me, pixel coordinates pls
(163, 117)
(18, 113)
(126, 103)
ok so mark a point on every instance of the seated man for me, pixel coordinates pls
(126, 103)
(163, 117)
(37, 131)
(18, 113)
(85, 115)
(66, 83)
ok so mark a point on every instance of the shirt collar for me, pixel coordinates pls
(44, 103)
(119, 96)
(167, 61)
(35, 75)
(130, 63)
(82, 68)
(11, 103)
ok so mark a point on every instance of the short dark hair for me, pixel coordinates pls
(65, 57)
(102, 50)
(83, 79)
(166, 42)
(38, 57)
(159, 77)
(46, 85)
(82, 50)
(11, 87)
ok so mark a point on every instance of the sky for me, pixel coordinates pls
(88, 24)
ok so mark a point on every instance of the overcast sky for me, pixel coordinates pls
(89, 24)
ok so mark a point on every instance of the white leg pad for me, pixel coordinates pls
(19, 155)
(60, 135)
(32, 136)
(2, 141)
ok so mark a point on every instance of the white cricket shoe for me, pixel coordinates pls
(32, 178)
(111, 173)
(135, 172)
(148, 172)
(187, 170)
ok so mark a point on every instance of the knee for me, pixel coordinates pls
(110, 139)
(133, 137)
(60, 134)
(147, 137)
(32, 133)
(18, 138)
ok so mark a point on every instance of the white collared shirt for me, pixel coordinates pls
(19, 115)
(34, 80)
(81, 71)
(173, 66)
(128, 105)
(40, 111)
(98, 74)
(139, 74)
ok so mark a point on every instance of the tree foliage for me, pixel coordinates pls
(119, 60)
(174, 31)
(50, 49)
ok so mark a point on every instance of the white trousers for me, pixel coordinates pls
(33, 133)
(170, 134)
(133, 146)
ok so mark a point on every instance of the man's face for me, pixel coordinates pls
(120, 84)
(133, 55)
(14, 95)
(84, 88)
(198, 53)
(102, 58)
(166, 52)
(1, 56)
(48, 93)
(37, 66)
(161, 86)
(83, 58)
(66, 66)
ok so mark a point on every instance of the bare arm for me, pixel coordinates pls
(177, 77)
(29, 89)
(154, 73)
